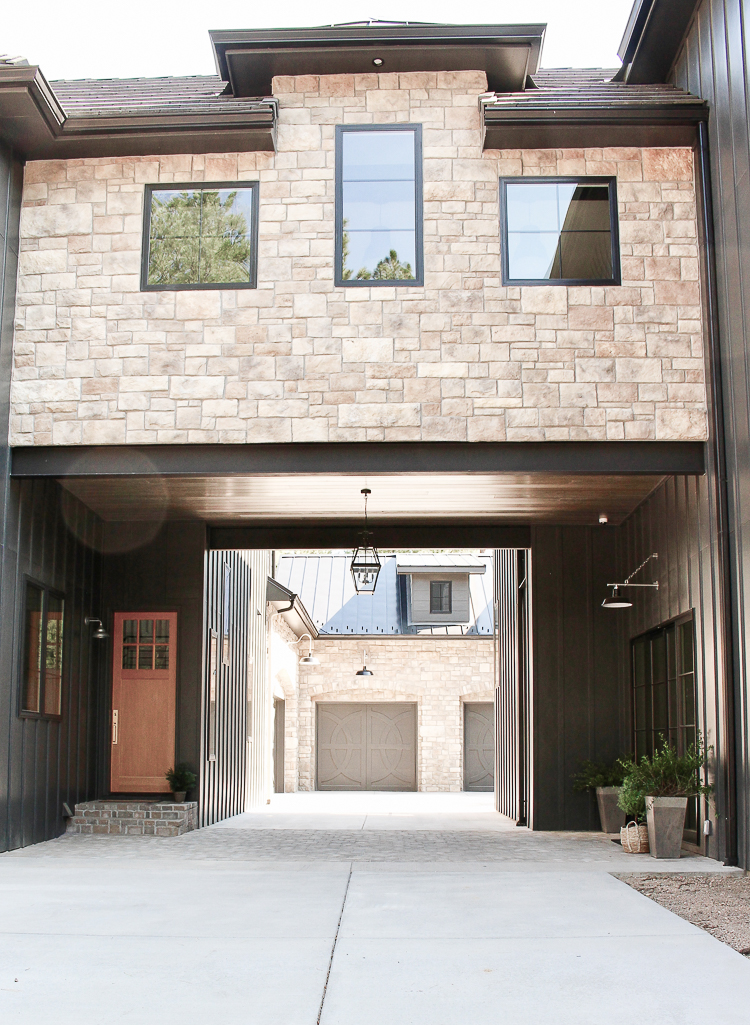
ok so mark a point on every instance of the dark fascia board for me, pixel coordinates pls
(249, 59)
(572, 457)
(652, 39)
(33, 123)
(656, 125)
(336, 535)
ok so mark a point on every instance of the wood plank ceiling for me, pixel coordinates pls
(501, 498)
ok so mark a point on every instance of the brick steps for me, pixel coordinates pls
(134, 818)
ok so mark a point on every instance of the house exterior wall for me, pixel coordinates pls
(439, 673)
(461, 359)
(283, 660)
(419, 598)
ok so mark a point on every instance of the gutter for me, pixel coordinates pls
(276, 594)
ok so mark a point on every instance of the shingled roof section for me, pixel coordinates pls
(106, 97)
(556, 77)
(567, 91)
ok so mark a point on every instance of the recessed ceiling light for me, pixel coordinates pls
(377, 62)
(603, 518)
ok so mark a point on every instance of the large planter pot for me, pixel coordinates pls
(179, 796)
(612, 818)
(665, 818)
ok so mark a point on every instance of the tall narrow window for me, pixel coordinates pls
(664, 705)
(43, 635)
(559, 231)
(200, 236)
(379, 205)
(441, 596)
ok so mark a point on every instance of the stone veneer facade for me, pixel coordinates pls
(97, 361)
(439, 673)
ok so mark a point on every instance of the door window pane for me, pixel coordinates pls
(130, 631)
(201, 236)
(32, 649)
(558, 231)
(162, 631)
(145, 657)
(146, 631)
(379, 189)
(129, 657)
(161, 657)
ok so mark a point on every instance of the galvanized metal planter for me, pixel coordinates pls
(665, 818)
(611, 816)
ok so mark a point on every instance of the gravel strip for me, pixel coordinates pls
(717, 903)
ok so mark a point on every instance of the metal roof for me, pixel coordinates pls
(325, 587)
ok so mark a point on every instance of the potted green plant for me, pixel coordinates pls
(604, 780)
(659, 788)
(180, 779)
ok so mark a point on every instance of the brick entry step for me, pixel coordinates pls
(134, 818)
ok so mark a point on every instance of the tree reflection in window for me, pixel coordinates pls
(378, 207)
(201, 236)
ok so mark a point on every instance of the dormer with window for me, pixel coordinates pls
(437, 587)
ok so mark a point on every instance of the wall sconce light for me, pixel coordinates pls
(619, 601)
(364, 671)
(100, 633)
(309, 659)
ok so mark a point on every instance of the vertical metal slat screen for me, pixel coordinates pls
(511, 691)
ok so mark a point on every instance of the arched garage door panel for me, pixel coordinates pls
(367, 747)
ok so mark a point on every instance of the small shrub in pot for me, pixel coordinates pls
(657, 788)
(180, 779)
(604, 779)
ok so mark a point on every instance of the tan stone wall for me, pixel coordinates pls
(99, 362)
(439, 673)
(283, 666)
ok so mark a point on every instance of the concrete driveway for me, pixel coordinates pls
(259, 921)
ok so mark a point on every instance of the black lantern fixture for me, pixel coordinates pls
(619, 601)
(365, 565)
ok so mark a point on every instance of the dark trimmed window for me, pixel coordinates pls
(559, 231)
(664, 694)
(42, 656)
(379, 205)
(200, 236)
(441, 596)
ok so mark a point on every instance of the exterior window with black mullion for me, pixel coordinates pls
(441, 596)
(42, 655)
(378, 205)
(559, 231)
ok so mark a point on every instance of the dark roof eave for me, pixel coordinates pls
(654, 33)
(655, 125)
(34, 124)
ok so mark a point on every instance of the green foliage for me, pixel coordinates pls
(390, 268)
(199, 238)
(665, 774)
(599, 774)
(180, 779)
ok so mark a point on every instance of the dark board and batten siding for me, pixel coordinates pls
(714, 64)
(49, 761)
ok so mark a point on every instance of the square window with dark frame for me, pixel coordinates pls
(200, 236)
(559, 231)
(378, 205)
(42, 656)
(441, 597)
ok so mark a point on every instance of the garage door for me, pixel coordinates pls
(367, 747)
(479, 746)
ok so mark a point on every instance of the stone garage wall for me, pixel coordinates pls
(99, 362)
(439, 673)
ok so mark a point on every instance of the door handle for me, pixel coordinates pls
(115, 717)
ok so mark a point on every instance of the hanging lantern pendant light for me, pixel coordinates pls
(365, 565)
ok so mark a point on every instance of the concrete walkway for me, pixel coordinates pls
(223, 926)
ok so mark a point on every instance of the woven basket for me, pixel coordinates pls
(634, 838)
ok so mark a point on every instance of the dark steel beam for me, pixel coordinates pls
(567, 457)
(326, 535)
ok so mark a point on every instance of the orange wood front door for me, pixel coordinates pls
(143, 701)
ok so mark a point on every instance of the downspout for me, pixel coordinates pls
(728, 768)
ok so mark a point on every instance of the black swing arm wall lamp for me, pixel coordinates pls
(619, 601)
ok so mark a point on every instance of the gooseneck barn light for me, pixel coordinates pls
(364, 671)
(619, 601)
(100, 633)
(309, 659)
(365, 565)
